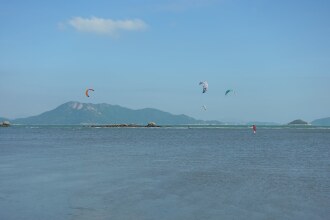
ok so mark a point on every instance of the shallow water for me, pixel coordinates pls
(64, 172)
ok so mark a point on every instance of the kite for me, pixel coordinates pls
(229, 91)
(87, 90)
(205, 86)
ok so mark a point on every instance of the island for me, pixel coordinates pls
(298, 122)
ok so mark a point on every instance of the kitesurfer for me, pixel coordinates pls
(254, 128)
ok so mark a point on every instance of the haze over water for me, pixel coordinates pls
(164, 173)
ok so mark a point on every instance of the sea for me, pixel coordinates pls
(173, 172)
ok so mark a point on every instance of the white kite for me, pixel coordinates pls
(205, 85)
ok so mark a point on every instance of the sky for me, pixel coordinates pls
(275, 55)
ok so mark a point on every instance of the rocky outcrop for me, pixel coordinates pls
(5, 124)
(150, 124)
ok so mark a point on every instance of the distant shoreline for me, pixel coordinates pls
(123, 126)
(243, 126)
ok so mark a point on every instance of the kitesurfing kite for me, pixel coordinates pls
(87, 90)
(229, 91)
(205, 86)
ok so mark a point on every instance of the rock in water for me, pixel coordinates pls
(152, 124)
(5, 124)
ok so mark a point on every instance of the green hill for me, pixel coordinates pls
(298, 122)
(73, 113)
(321, 122)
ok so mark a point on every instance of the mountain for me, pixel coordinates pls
(3, 119)
(298, 122)
(321, 122)
(72, 113)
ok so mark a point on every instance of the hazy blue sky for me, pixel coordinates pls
(137, 54)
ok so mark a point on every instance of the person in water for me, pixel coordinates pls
(254, 128)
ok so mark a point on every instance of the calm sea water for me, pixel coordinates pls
(164, 173)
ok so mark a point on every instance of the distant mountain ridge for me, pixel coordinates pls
(3, 119)
(321, 122)
(74, 113)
